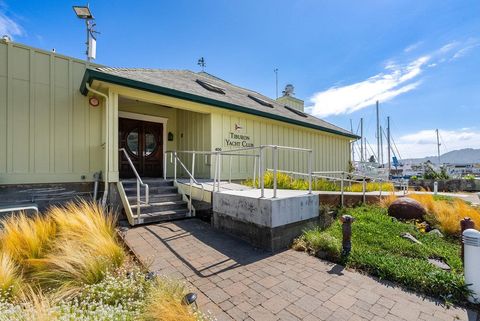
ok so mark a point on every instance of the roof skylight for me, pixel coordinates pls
(210, 87)
(261, 101)
(296, 111)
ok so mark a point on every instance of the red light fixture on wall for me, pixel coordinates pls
(94, 102)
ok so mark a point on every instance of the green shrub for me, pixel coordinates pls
(318, 241)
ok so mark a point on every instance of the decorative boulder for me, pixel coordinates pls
(405, 208)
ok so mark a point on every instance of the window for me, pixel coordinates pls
(298, 112)
(132, 142)
(150, 144)
(210, 87)
(261, 101)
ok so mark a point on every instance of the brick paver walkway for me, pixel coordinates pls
(237, 282)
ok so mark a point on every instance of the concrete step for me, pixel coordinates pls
(151, 183)
(170, 197)
(162, 216)
(160, 206)
(155, 190)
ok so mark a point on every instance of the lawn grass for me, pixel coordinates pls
(378, 249)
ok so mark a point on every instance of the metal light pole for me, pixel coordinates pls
(83, 12)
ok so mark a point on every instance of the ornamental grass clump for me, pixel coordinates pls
(25, 238)
(10, 278)
(442, 212)
(164, 303)
(61, 250)
(84, 251)
(87, 225)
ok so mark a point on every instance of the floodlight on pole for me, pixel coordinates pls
(83, 12)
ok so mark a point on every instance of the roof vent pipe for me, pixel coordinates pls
(289, 100)
(289, 90)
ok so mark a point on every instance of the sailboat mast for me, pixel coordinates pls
(353, 142)
(381, 146)
(361, 140)
(378, 134)
(388, 146)
(438, 146)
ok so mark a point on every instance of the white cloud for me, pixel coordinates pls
(384, 86)
(423, 143)
(9, 27)
(463, 51)
(394, 80)
(412, 47)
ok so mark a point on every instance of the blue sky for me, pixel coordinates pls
(421, 59)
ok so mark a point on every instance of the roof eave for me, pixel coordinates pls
(91, 75)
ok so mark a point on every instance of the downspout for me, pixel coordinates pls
(105, 192)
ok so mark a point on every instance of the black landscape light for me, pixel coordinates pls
(190, 298)
(150, 276)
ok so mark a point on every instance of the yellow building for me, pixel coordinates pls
(63, 119)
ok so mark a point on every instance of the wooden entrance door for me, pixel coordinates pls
(143, 142)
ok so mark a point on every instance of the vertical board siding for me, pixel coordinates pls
(193, 133)
(48, 131)
(329, 151)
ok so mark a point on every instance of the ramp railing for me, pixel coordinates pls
(344, 178)
(259, 156)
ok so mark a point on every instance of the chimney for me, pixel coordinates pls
(289, 100)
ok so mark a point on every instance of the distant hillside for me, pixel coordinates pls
(466, 155)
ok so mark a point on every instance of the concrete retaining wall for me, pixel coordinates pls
(269, 223)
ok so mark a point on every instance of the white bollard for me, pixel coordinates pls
(471, 241)
(435, 188)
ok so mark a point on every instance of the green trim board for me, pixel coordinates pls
(91, 75)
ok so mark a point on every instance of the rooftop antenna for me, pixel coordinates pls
(276, 81)
(201, 63)
(83, 12)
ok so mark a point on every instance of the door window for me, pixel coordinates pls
(150, 144)
(132, 142)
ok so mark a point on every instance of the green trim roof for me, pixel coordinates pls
(182, 84)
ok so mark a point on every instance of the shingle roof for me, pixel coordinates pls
(183, 84)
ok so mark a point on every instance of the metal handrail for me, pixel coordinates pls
(403, 186)
(260, 154)
(234, 152)
(261, 169)
(139, 183)
(190, 174)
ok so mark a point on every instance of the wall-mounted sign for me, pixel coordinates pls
(238, 140)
